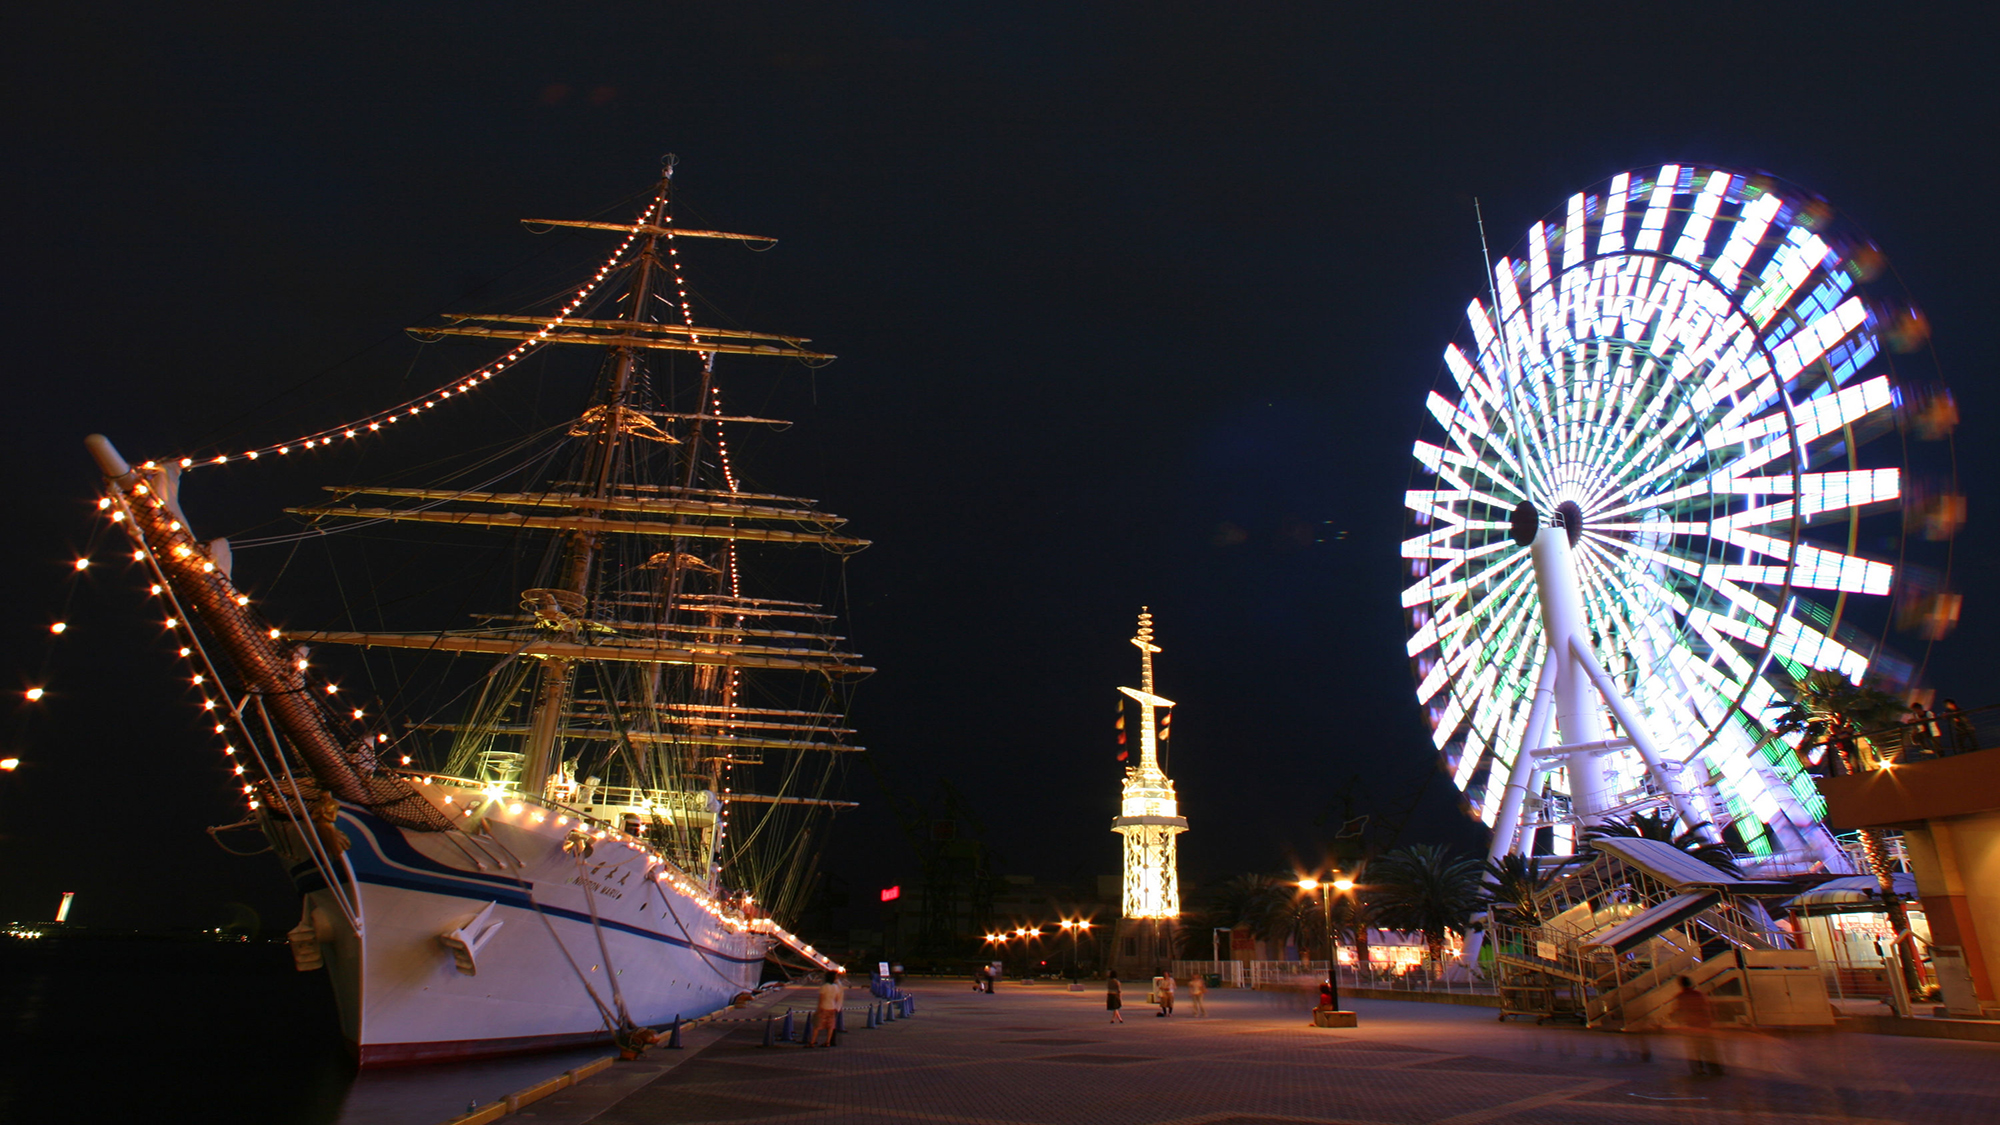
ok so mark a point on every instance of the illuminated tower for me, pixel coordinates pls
(1149, 817)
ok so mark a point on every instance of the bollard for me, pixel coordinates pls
(788, 1025)
(769, 1022)
(889, 1012)
(674, 1036)
(909, 1005)
(874, 1017)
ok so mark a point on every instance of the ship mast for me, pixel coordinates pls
(579, 564)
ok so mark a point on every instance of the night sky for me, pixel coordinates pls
(1135, 304)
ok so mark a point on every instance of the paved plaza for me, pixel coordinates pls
(1037, 1053)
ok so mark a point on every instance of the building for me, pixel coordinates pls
(1946, 803)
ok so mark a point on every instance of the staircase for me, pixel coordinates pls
(1647, 1000)
(1627, 921)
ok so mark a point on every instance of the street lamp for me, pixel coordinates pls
(1310, 884)
(1075, 929)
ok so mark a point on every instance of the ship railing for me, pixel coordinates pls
(689, 884)
(566, 798)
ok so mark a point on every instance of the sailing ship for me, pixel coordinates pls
(590, 809)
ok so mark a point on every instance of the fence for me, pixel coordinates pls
(1305, 976)
(1940, 735)
(1233, 974)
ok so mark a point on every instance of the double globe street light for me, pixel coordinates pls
(1340, 884)
(1075, 928)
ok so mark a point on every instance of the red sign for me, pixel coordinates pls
(891, 894)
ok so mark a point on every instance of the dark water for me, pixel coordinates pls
(101, 1029)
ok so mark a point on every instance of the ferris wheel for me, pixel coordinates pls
(1684, 460)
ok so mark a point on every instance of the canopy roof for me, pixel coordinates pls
(1852, 890)
(1665, 862)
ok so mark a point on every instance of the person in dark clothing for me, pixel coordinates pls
(1694, 1015)
(1963, 737)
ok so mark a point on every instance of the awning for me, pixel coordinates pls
(1852, 890)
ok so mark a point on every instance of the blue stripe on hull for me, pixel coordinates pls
(390, 861)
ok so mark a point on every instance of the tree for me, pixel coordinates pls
(1831, 712)
(1240, 899)
(1425, 889)
(1291, 914)
(1511, 885)
(1660, 826)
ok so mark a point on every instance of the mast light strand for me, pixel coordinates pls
(374, 423)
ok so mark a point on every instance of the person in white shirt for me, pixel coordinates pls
(831, 996)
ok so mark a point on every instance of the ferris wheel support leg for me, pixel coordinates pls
(1642, 740)
(1578, 717)
(1507, 823)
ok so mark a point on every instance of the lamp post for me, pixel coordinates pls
(1337, 883)
(1075, 929)
(1027, 952)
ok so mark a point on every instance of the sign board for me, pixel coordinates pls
(1954, 980)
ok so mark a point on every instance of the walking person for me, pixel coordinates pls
(1923, 730)
(831, 996)
(1166, 994)
(1963, 737)
(1198, 988)
(1114, 998)
(1695, 1016)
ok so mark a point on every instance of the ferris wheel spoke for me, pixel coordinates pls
(1825, 491)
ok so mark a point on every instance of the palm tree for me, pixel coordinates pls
(1660, 826)
(1290, 914)
(1239, 899)
(1426, 889)
(1829, 711)
(1511, 885)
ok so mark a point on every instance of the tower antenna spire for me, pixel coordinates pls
(1149, 814)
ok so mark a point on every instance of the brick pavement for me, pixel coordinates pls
(1035, 1054)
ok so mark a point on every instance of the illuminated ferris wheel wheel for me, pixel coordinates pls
(1682, 468)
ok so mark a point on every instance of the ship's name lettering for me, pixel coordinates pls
(594, 885)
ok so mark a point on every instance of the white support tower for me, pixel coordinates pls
(1579, 690)
(1149, 816)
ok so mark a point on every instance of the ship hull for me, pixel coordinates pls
(560, 947)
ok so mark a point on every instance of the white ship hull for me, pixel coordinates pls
(547, 975)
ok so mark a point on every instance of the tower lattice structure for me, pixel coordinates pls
(1149, 815)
